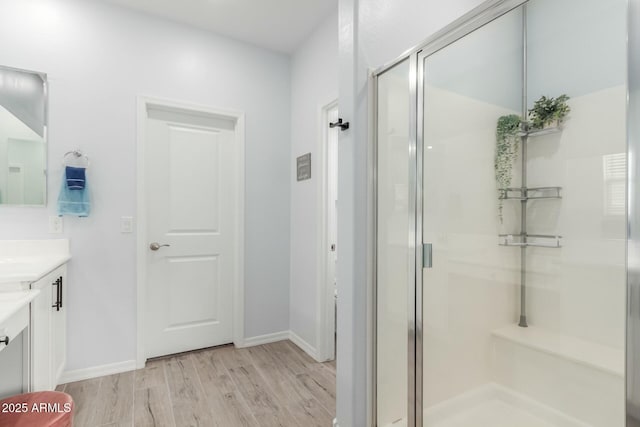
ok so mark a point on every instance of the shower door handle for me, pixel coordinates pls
(427, 255)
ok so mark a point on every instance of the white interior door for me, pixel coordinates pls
(191, 162)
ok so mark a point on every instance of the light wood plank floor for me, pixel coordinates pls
(269, 385)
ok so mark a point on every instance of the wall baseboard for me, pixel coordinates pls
(280, 336)
(97, 371)
(305, 346)
(130, 365)
(263, 339)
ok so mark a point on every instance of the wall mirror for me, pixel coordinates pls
(23, 137)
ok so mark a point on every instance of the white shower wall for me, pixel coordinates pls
(472, 288)
(576, 291)
(580, 290)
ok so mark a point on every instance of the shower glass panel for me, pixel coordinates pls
(472, 288)
(523, 320)
(393, 251)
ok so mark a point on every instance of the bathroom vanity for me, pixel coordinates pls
(33, 311)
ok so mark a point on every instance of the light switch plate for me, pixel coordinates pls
(126, 224)
(55, 224)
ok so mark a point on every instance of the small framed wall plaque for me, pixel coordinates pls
(304, 167)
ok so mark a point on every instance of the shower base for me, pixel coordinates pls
(493, 413)
(493, 405)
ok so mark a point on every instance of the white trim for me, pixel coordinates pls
(325, 305)
(141, 235)
(335, 422)
(131, 365)
(97, 371)
(141, 231)
(305, 346)
(264, 339)
(281, 336)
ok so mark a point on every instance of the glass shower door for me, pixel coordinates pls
(523, 302)
(471, 288)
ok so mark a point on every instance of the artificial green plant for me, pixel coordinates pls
(545, 111)
(507, 143)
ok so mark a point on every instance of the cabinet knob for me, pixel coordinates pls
(4, 340)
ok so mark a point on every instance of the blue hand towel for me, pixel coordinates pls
(73, 202)
(75, 177)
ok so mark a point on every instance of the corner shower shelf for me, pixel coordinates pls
(530, 240)
(540, 132)
(536, 193)
(524, 240)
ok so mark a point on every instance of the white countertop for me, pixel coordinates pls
(18, 269)
(28, 260)
(11, 302)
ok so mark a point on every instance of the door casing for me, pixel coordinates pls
(325, 325)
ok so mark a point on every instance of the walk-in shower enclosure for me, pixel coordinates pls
(512, 306)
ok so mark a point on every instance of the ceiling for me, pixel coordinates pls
(274, 24)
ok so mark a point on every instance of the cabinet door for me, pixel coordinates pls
(59, 327)
(41, 336)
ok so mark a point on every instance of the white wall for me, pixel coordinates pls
(99, 58)
(372, 32)
(314, 84)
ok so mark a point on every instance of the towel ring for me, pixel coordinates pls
(78, 156)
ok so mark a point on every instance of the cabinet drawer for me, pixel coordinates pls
(14, 325)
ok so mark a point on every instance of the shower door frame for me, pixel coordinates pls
(473, 20)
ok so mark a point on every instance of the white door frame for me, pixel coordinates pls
(141, 233)
(325, 325)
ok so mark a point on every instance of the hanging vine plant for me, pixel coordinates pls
(507, 143)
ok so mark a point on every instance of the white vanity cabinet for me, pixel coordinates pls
(37, 270)
(48, 326)
(14, 338)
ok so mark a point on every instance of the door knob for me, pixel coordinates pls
(155, 246)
